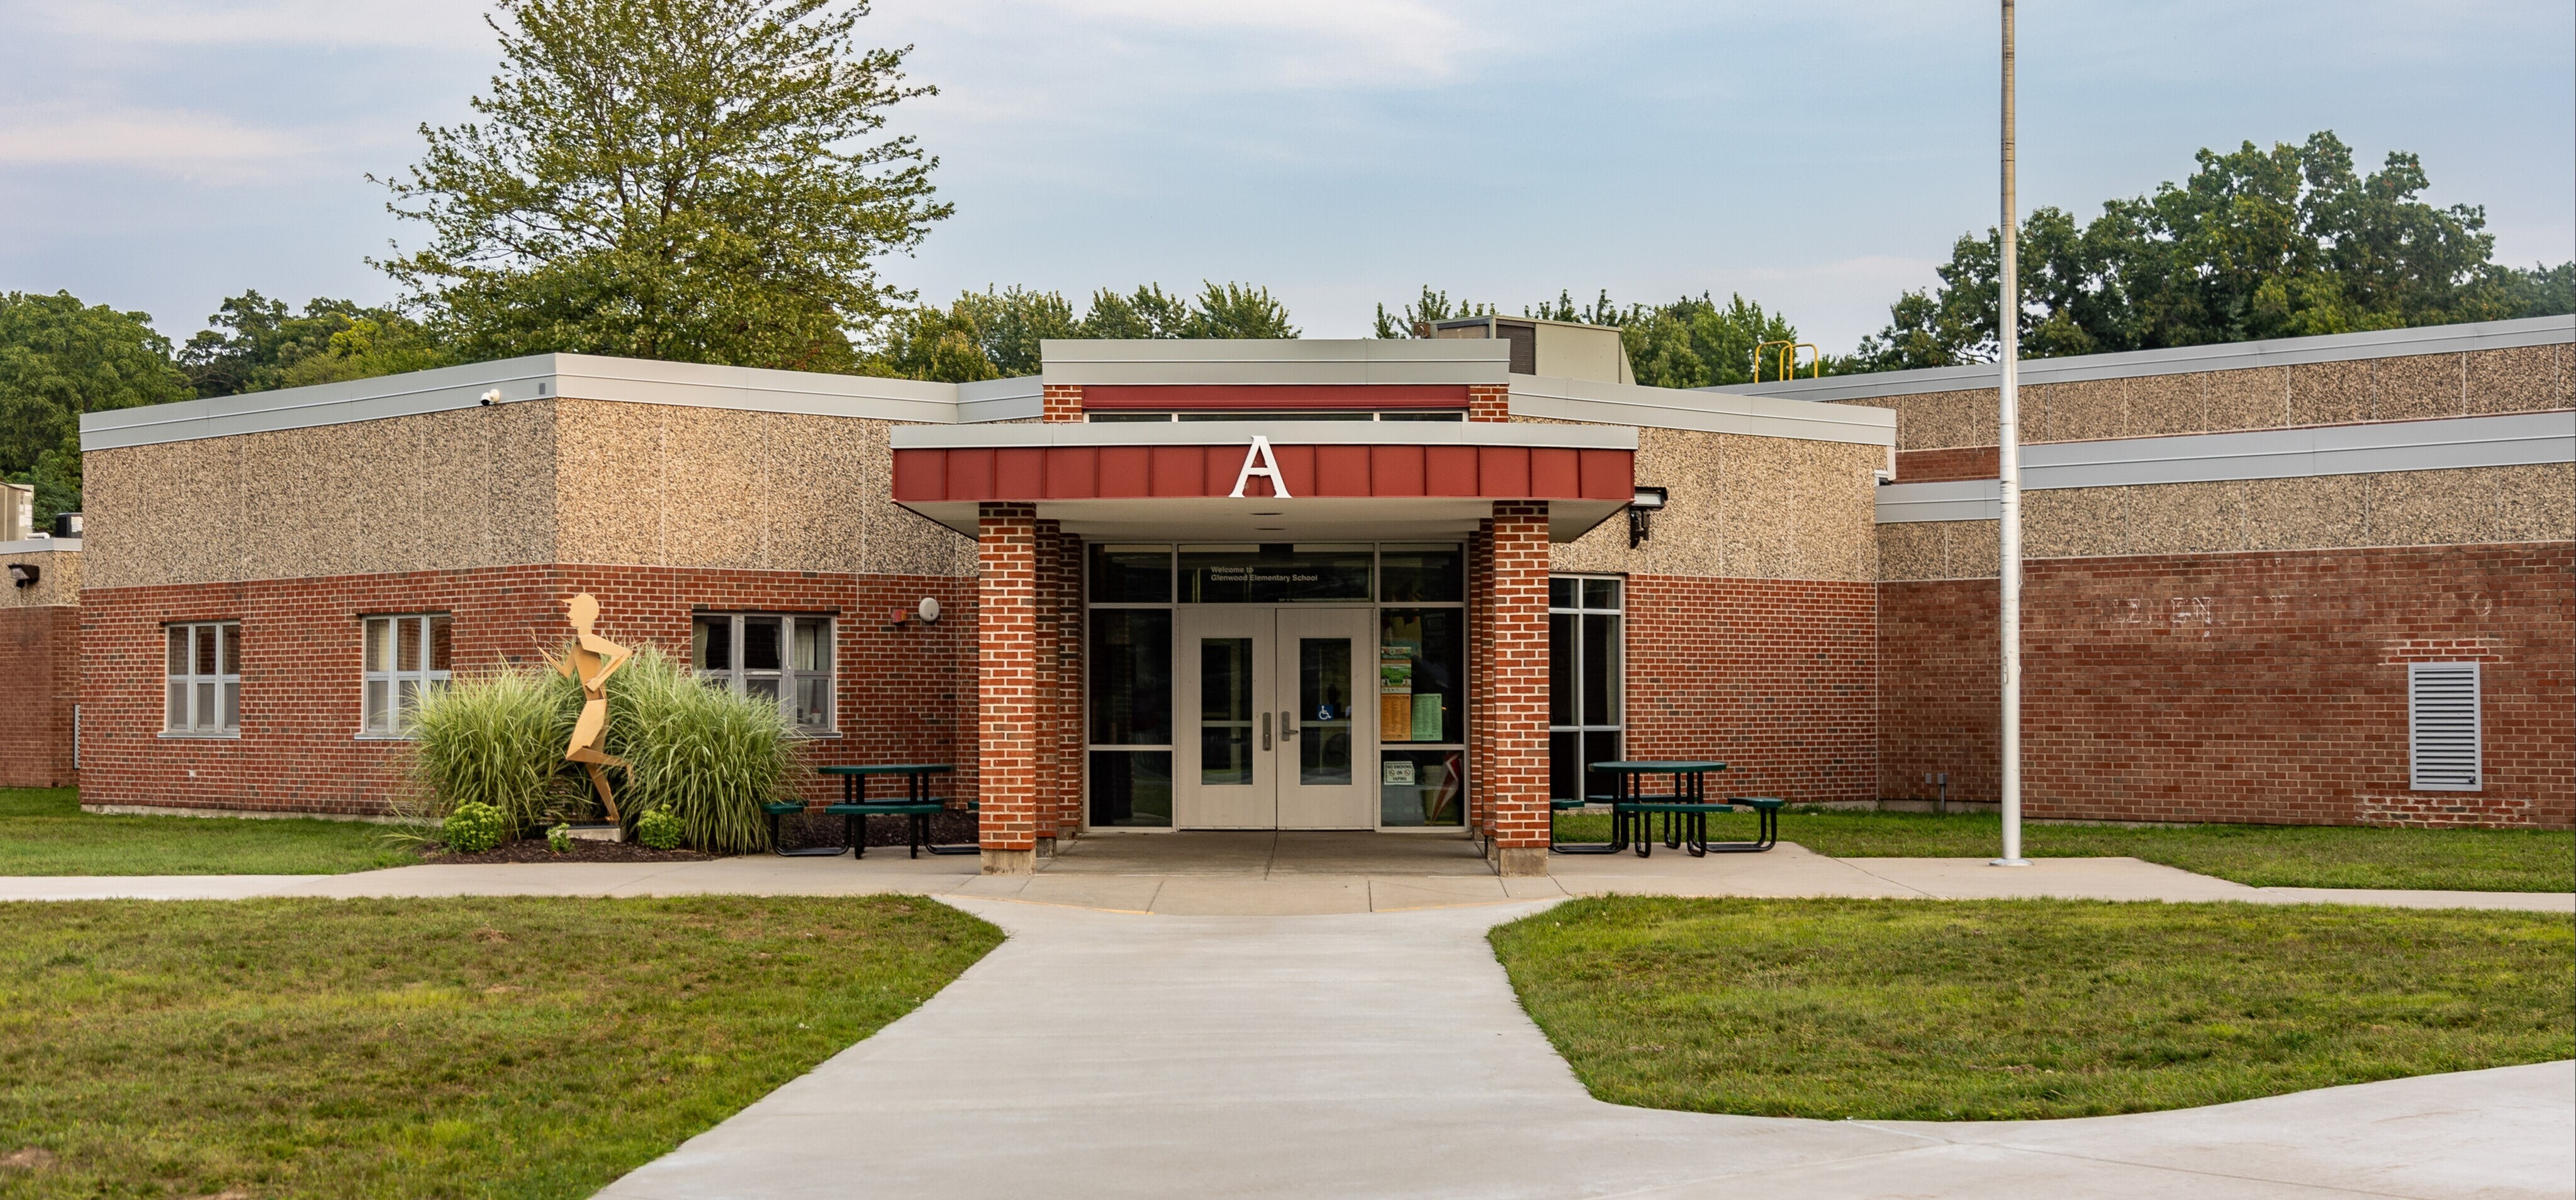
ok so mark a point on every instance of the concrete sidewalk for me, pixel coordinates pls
(1279, 874)
(1099, 1054)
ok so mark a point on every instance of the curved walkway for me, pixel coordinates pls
(1102, 1054)
(1277, 874)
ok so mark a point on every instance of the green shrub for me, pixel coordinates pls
(495, 739)
(658, 829)
(475, 827)
(559, 839)
(707, 756)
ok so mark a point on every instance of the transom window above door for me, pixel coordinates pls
(783, 658)
(1277, 573)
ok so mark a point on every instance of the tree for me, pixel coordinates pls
(1419, 316)
(995, 334)
(58, 360)
(693, 180)
(1691, 342)
(254, 344)
(2255, 244)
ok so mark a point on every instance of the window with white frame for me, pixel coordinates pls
(204, 695)
(785, 658)
(405, 657)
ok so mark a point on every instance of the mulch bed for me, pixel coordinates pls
(808, 829)
(818, 829)
(533, 850)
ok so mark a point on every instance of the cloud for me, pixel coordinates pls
(1314, 44)
(176, 141)
(408, 24)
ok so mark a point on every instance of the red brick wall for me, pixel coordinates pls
(1515, 708)
(1011, 709)
(1777, 678)
(1489, 402)
(39, 683)
(1480, 653)
(1062, 402)
(2249, 687)
(1938, 690)
(906, 693)
(1935, 466)
(1064, 607)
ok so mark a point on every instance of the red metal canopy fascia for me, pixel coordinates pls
(1029, 473)
(1273, 397)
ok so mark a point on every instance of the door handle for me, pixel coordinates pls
(1287, 724)
(1265, 731)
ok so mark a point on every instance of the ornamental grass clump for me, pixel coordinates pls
(709, 757)
(496, 739)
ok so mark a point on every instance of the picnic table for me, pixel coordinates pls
(855, 808)
(1684, 810)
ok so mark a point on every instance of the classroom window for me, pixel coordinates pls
(784, 659)
(405, 658)
(204, 678)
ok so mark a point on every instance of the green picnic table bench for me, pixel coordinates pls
(916, 805)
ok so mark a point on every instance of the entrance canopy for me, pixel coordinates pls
(1265, 481)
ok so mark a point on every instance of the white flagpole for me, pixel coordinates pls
(2008, 463)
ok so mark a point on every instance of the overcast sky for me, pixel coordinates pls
(1819, 157)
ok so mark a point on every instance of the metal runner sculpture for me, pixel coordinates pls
(592, 659)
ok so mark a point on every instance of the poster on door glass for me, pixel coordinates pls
(1395, 696)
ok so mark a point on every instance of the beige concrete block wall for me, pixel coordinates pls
(534, 482)
(1745, 508)
(661, 484)
(471, 487)
(58, 579)
(2471, 506)
(2403, 388)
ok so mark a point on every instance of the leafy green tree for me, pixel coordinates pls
(1418, 317)
(995, 334)
(1234, 311)
(1690, 342)
(254, 344)
(1150, 312)
(2287, 242)
(59, 359)
(693, 180)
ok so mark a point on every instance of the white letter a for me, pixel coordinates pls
(1258, 461)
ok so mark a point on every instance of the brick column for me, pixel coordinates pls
(1048, 608)
(1063, 403)
(1069, 694)
(1480, 661)
(1007, 698)
(1485, 402)
(1515, 776)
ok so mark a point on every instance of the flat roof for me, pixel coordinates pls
(2177, 360)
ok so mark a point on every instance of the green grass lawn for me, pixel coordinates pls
(1951, 1010)
(2470, 860)
(477, 1047)
(44, 832)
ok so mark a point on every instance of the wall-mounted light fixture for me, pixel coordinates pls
(1641, 514)
(927, 610)
(24, 574)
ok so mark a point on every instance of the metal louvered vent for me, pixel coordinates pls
(2442, 727)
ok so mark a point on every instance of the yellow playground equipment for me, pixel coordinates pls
(1788, 368)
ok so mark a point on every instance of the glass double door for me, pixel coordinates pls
(1275, 704)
